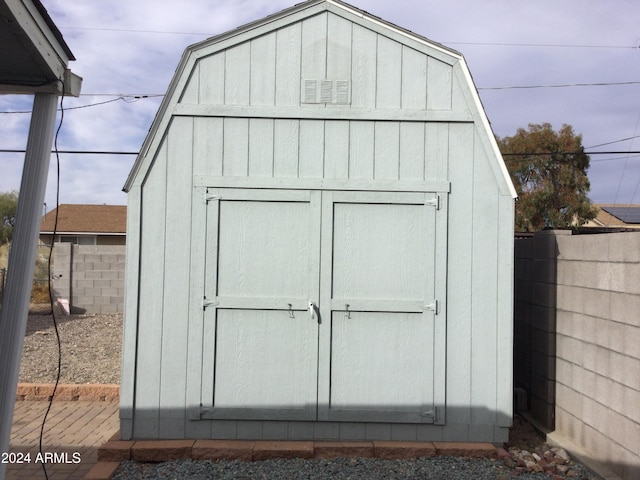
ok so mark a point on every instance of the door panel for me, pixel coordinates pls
(256, 351)
(262, 271)
(379, 365)
(378, 286)
(378, 251)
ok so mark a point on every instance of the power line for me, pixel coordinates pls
(75, 152)
(109, 152)
(562, 85)
(539, 45)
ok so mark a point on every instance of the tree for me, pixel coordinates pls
(8, 205)
(549, 172)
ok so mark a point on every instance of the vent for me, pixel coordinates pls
(326, 91)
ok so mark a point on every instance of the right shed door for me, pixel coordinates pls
(381, 348)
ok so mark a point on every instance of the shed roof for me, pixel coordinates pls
(79, 218)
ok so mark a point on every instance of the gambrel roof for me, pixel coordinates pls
(184, 79)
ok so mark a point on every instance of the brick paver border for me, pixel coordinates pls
(115, 451)
(67, 392)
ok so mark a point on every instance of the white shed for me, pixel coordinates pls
(320, 242)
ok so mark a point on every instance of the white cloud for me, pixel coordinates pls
(115, 61)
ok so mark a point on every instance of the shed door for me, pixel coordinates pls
(378, 297)
(261, 266)
(373, 351)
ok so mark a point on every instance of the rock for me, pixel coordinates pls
(562, 453)
(536, 457)
(508, 462)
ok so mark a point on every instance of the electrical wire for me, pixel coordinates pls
(51, 303)
(125, 99)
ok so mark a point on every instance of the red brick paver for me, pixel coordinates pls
(73, 433)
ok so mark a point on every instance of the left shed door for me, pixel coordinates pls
(260, 341)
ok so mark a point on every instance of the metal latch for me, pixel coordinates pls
(209, 303)
(432, 306)
(434, 202)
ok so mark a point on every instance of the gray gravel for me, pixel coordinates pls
(91, 346)
(437, 468)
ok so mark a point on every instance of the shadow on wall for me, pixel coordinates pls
(259, 423)
(534, 342)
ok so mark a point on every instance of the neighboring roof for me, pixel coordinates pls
(34, 56)
(93, 219)
(617, 215)
(244, 32)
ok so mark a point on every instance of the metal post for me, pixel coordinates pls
(15, 308)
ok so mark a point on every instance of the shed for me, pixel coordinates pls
(320, 242)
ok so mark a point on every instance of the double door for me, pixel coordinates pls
(323, 305)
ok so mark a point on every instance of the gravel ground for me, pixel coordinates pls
(91, 346)
(91, 350)
(436, 468)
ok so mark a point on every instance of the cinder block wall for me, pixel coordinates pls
(91, 277)
(535, 323)
(597, 339)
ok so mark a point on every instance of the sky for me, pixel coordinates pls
(578, 59)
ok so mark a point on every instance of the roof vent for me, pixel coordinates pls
(326, 91)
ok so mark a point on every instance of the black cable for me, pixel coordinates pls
(51, 303)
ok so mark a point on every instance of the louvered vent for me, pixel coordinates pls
(326, 91)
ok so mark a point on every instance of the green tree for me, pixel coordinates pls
(549, 172)
(8, 205)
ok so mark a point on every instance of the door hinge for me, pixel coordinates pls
(432, 414)
(432, 306)
(209, 303)
(434, 202)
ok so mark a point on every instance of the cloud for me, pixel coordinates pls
(112, 60)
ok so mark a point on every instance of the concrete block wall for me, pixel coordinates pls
(91, 277)
(598, 347)
(584, 306)
(535, 323)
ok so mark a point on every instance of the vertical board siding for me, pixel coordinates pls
(288, 45)
(389, 73)
(208, 145)
(261, 139)
(314, 47)
(212, 79)
(363, 67)
(237, 71)
(263, 70)
(338, 48)
(311, 155)
(236, 147)
(361, 143)
(177, 263)
(414, 83)
(504, 336)
(336, 150)
(439, 84)
(484, 284)
(191, 93)
(412, 151)
(285, 146)
(459, 279)
(437, 159)
(152, 246)
(387, 150)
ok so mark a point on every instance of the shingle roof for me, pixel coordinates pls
(78, 218)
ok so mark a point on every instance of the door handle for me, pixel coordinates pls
(314, 312)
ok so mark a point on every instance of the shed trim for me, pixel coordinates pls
(323, 184)
(321, 113)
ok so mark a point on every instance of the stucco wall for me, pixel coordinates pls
(91, 277)
(597, 341)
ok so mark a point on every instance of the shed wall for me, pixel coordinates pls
(240, 123)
